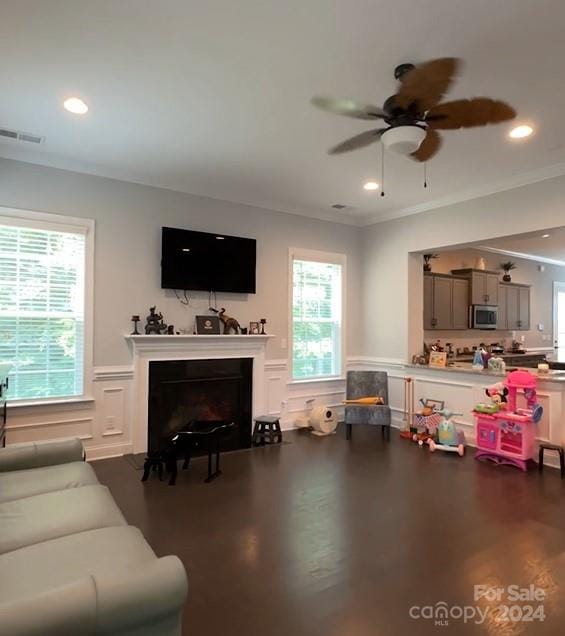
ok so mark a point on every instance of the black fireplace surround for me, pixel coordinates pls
(184, 391)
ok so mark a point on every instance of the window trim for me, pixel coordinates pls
(63, 223)
(334, 258)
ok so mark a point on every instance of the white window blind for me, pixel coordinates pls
(42, 301)
(316, 319)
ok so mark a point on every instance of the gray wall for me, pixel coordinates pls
(127, 271)
(393, 275)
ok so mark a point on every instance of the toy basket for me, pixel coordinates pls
(428, 422)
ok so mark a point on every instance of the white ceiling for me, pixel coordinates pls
(546, 246)
(211, 97)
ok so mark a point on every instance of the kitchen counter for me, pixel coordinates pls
(528, 360)
(506, 354)
(466, 367)
(461, 388)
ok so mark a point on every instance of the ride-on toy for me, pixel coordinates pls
(449, 438)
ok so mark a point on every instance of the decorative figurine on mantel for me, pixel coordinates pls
(154, 323)
(263, 322)
(135, 319)
(230, 324)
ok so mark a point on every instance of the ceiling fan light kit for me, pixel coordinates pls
(416, 112)
(403, 139)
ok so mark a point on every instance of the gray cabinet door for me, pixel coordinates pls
(512, 308)
(523, 308)
(460, 304)
(478, 288)
(428, 302)
(502, 318)
(443, 289)
(491, 289)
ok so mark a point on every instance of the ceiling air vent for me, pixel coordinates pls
(18, 135)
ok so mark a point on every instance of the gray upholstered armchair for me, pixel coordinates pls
(367, 384)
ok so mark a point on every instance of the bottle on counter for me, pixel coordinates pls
(486, 356)
(478, 360)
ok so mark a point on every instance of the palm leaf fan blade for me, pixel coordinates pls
(469, 113)
(359, 141)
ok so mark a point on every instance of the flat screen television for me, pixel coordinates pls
(207, 262)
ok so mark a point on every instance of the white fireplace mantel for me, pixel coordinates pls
(146, 349)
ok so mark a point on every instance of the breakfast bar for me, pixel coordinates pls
(461, 388)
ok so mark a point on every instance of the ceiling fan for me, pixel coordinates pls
(415, 113)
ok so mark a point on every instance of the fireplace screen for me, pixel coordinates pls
(184, 391)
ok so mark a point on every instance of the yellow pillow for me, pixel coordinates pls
(366, 400)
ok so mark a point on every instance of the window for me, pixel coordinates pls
(317, 314)
(43, 306)
(559, 320)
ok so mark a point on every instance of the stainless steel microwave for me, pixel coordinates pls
(483, 316)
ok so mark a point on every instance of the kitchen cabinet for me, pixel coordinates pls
(514, 307)
(460, 304)
(484, 285)
(445, 302)
(502, 318)
(428, 302)
(524, 308)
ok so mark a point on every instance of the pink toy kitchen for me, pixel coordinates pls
(506, 427)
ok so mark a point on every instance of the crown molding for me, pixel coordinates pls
(349, 217)
(526, 178)
(526, 256)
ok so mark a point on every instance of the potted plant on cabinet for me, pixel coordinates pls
(507, 266)
(427, 263)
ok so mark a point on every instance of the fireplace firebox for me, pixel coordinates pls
(184, 391)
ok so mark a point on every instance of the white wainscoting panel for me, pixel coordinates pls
(104, 422)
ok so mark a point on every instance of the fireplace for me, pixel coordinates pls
(181, 391)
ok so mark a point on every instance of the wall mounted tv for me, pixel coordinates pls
(207, 262)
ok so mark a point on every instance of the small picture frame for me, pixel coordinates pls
(254, 329)
(207, 325)
(437, 405)
(438, 359)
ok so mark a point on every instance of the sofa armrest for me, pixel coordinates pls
(38, 454)
(145, 598)
(153, 593)
(62, 611)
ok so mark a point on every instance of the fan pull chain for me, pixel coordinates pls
(425, 175)
(382, 170)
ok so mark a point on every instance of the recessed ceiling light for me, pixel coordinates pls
(371, 185)
(521, 131)
(75, 105)
(185, 249)
(545, 235)
(220, 238)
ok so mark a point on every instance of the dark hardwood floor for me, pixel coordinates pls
(325, 537)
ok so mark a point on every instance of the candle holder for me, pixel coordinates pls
(263, 322)
(135, 320)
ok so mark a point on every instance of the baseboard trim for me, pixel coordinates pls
(107, 451)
